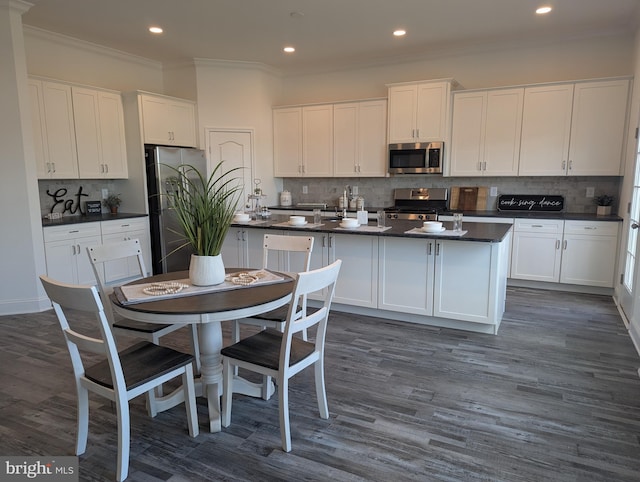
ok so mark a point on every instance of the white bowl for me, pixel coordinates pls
(432, 226)
(296, 220)
(241, 217)
(349, 223)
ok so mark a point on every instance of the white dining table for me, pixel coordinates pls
(208, 311)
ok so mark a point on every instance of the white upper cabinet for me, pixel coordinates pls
(317, 141)
(486, 128)
(100, 138)
(168, 120)
(598, 128)
(287, 142)
(56, 142)
(546, 127)
(78, 132)
(574, 129)
(359, 139)
(418, 111)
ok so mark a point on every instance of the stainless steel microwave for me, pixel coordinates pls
(416, 158)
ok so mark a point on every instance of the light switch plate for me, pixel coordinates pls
(105, 193)
(305, 189)
(493, 192)
(591, 192)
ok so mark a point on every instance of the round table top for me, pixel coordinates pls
(212, 302)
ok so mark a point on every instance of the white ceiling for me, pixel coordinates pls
(330, 34)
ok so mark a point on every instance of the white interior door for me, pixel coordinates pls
(235, 148)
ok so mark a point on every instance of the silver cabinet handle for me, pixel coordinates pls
(73, 249)
(484, 166)
(635, 226)
(330, 241)
(324, 241)
(54, 166)
(430, 249)
(238, 237)
(564, 165)
(537, 226)
(565, 245)
(570, 165)
(437, 249)
(557, 244)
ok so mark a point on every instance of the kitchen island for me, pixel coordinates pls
(443, 280)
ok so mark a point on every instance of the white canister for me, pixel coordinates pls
(285, 198)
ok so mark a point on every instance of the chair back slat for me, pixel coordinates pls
(287, 245)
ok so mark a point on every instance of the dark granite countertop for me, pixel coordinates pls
(479, 232)
(489, 214)
(89, 219)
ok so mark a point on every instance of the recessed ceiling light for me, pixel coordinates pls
(543, 10)
(289, 49)
(155, 30)
(399, 33)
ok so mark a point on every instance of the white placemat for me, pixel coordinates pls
(130, 294)
(251, 222)
(447, 232)
(301, 226)
(372, 229)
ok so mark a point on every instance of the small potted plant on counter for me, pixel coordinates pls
(112, 201)
(604, 203)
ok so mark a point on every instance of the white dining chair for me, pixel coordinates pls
(128, 251)
(285, 247)
(118, 377)
(282, 355)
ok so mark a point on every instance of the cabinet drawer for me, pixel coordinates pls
(71, 231)
(124, 225)
(595, 228)
(553, 226)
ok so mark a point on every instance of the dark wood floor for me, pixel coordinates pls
(554, 396)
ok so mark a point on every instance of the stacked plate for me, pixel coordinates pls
(432, 227)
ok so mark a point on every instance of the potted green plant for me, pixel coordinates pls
(112, 201)
(204, 208)
(604, 203)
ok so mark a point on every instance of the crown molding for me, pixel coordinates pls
(89, 47)
(238, 65)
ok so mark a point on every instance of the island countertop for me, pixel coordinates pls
(477, 232)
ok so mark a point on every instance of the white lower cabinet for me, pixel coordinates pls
(589, 253)
(536, 252)
(66, 251)
(243, 248)
(448, 279)
(572, 252)
(122, 230)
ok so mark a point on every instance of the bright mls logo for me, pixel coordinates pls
(54, 469)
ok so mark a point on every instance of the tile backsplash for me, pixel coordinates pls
(378, 192)
(68, 196)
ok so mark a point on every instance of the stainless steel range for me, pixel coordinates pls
(420, 204)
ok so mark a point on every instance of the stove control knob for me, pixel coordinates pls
(420, 217)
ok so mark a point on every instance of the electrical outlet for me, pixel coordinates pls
(105, 193)
(591, 192)
(493, 192)
(305, 189)
(354, 190)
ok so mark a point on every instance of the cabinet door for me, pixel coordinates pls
(60, 259)
(502, 132)
(38, 127)
(372, 138)
(154, 120)
(181, 118)
(60, 130)
(536, 256)
(88, 139)
(397, 291)
(345, 139)
(112, 140)
(317, 141)
(357, 283)
(431, 115)
(467, 134)
(233, 248)
(287, 142)
(546, 126)
(84, 269)
(465, 286)
(598, 128)
(589, 260)
(403, 101)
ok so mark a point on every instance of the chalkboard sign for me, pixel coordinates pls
(530, 202)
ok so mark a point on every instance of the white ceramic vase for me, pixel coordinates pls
(206, 270)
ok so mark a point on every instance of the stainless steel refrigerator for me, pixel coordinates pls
(163, 222)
